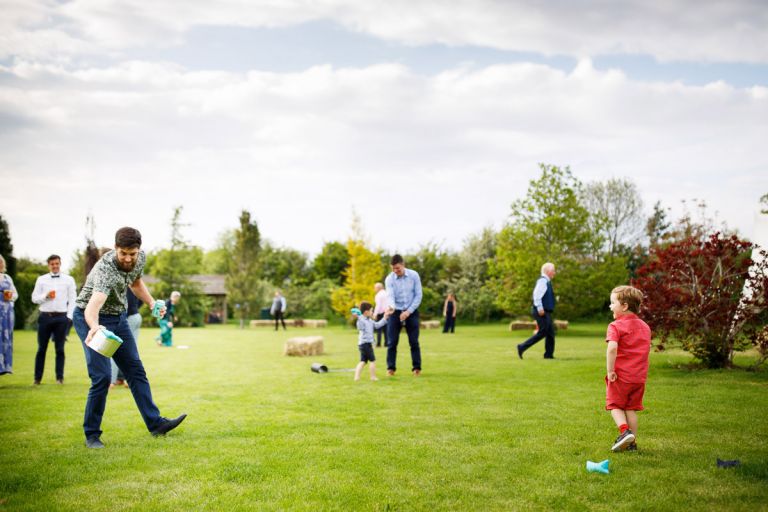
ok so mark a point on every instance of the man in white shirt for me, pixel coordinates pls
(55, 293)
(381, 302)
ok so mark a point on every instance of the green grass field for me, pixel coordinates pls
(479, 430)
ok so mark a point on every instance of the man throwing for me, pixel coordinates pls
(404, 292)
(102, 303)
(543, 307)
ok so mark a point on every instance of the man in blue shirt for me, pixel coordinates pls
(404, 291)
(543, 306)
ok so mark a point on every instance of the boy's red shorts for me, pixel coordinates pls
(627, 396)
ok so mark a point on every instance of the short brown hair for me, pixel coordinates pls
(128, 238)
(365, 306)
(396, 259)
(53, 257)
(630, 296)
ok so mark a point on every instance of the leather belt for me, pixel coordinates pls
(52, 313)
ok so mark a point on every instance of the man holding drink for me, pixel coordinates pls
(55, 293)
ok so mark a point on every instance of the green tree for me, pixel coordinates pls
(365, 269)
(6, 249)
(317, 299)
(616, 209)
(246, 292)
(283, 266)
(432, 263)
(657, 226)
(475, 296)
(552, 224)
(173, 268)
(218, 260)
(331, 262)
(27, 272)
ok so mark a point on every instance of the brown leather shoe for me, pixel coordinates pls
(390, 373)
(416, 373)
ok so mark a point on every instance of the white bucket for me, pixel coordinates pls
(105, 342)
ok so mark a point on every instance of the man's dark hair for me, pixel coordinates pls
(396, 259)
(365, 306)
(128, 238)
(53, 257)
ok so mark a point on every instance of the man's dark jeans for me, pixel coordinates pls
(100, 371)
(546, 330)
(393, 337)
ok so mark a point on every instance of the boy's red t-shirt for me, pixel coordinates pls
(634, 339)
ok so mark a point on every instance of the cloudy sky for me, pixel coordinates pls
(428, 118)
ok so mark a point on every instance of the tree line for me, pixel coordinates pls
(598, 234)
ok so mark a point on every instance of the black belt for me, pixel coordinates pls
(47, 313)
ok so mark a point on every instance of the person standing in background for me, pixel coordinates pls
(380, 301)
(7, 319)
(168, 320)
(134, 323)
(404, 294)
(542, 309)
(449, 312)
(55, 292)
(278, 308)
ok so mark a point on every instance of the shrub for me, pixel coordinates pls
(708, 295)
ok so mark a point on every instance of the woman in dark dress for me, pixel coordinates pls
(449, 312)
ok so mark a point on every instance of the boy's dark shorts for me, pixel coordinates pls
(366, 353)
(627, 396)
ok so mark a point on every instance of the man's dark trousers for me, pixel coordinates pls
(47, 324)
(393, 337)
(100, 371)
(279, 318)
(546, 331)
(381, 331)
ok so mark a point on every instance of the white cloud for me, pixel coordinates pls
(422, 158)
(702, 31)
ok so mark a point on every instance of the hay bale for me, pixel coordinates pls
(271, 323)
(523, 325)
(304, 346)
(315, 323)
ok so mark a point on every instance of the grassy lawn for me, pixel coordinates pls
(479, 430)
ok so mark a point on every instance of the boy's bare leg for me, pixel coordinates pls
(632, 421)
(358, 369)
(373, 371)
(620, 417)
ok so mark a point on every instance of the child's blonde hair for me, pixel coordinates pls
(630, 296)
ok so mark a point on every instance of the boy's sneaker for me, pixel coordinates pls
(632, 447)
(623, 441)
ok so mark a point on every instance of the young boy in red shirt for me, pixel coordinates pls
(629, 343)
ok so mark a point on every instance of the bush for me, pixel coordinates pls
(695, 294)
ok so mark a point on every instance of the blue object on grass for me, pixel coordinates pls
(598, 467)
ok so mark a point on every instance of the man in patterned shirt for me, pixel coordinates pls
(102, 303)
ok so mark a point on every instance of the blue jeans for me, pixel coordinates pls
(393, 337)
(99, 370)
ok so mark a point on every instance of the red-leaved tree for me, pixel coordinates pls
(695, 295)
